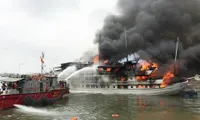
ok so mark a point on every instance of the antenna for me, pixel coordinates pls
(176, 53)
(125, 44)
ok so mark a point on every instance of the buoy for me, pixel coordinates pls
(73, 118)
(115, 115)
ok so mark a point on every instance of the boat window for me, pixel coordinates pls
(113, 86)
(51, 82)
(131, 86)
(38, 84)
(41, 87)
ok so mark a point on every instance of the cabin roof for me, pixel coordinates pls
(7, 79)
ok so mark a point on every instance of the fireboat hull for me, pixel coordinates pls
(42, 98)
(168, 90)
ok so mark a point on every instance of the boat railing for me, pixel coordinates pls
(111, 83)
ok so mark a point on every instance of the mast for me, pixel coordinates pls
(42, 62)
(176, 54)
(126, 46)
(99, 46)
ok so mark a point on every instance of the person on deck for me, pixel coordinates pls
(4, 88)
(0, 91)
(15, 85)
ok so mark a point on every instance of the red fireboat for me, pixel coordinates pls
(39, 89)
(31, 90)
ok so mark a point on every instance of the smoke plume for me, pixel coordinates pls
(152, 28)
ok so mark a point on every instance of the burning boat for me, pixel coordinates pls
(138, 77)
(118, 80)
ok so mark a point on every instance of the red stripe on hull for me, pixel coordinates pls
(7, 101)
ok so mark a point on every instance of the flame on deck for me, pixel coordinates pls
(145, 65)
(169, 75)
(108, 69)
(140, 78)
(154, 74)
(167, 78)
(96, 59)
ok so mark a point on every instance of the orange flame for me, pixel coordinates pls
(145, 65)
(96, 59)
(108, 69)
(167, 78)
(154, 73)
(140, 78)
(140, 86)
(155, 65)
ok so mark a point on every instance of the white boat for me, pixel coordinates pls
(169, 90)
(127, 78)
(130, 88)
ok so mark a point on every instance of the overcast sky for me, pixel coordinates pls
(62, 29)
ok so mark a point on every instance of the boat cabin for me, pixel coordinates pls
(9, 85)
(30, 84)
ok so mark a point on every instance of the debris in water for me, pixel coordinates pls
(115, 115)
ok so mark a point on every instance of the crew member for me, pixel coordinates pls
(4, 88)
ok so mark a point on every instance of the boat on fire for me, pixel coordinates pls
(31, 90)
(109, 81)
(138, 77)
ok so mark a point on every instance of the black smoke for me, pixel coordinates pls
(152, 28)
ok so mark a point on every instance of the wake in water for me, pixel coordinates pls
(44, 112)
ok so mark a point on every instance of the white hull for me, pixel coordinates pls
(169, 90)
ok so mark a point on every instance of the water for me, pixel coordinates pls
(68, 71)
(101, 107)
(83, 70)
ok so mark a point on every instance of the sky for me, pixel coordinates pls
(62, 29)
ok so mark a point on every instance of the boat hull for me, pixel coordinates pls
(169, 90)
(42, 98)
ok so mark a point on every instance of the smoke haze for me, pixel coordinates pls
(152, 27)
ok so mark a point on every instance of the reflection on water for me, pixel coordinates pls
(101, 107)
